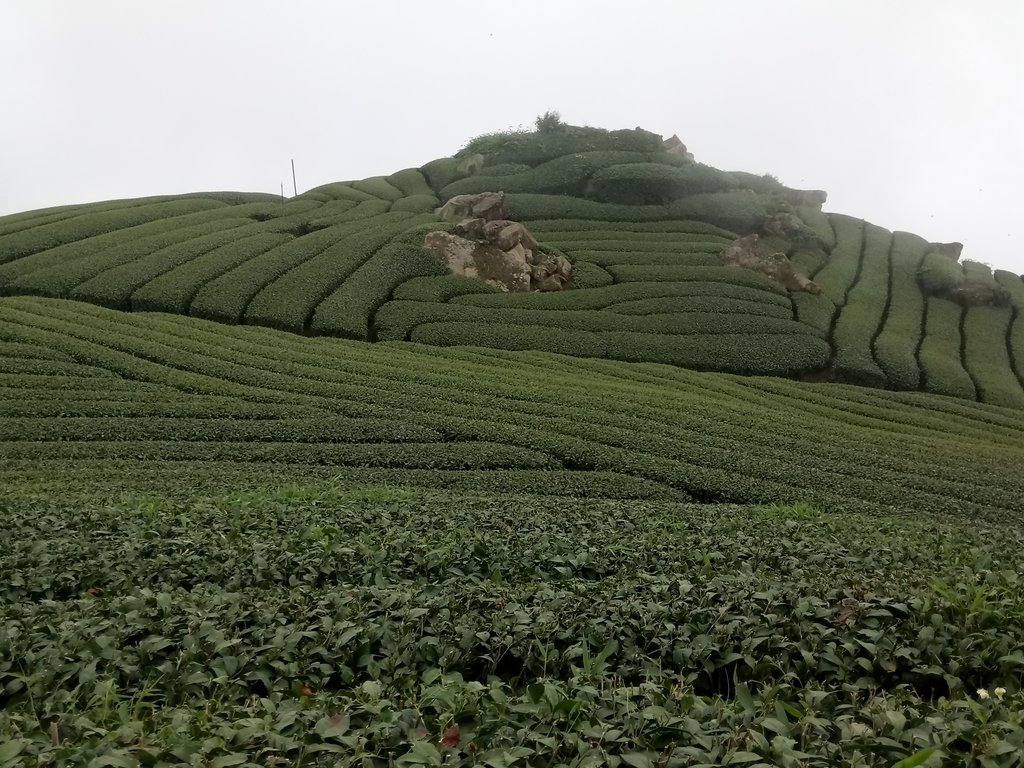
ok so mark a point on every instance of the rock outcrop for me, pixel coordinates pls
(809, 198)
(746, 253)
(487, 245)
(953, 250)
(674, 146)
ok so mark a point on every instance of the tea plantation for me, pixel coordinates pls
(278, 490)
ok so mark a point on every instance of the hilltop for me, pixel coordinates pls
(658, 251)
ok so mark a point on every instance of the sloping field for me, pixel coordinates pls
(84, 386)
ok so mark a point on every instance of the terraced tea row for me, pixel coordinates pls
(87, 384)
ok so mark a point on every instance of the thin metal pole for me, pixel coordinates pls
(282, 191)
(294, 185)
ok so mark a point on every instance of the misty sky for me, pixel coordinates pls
(910, 114)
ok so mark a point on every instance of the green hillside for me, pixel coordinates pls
(278, 489)
(86, 388)
(644, 227)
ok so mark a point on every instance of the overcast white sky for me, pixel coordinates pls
(909, 113)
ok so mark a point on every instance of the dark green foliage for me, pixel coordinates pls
(765, 184)
(711, 436)
(173, 291)
(86, 225)
(598, 298)
(550, 122)
(986, 354)
(566, 175)
(633, 273)
(114, 287)
(130, 243)
(441, 172)
(537, 147)
(348, 311)
(440, 288)
(680, 258)
(978, 273)
(744, 353)
(942, 369)
(818, 223)
(339, 191)
(416, 204)
(226, 297)
(712, 304)
(815, 309)
(656, 184)
(861, 318)
(1013, 285)
(410, 182)
(379, 187)
(900, 336)
(506, 336)
(586, 275)
(211, 427)
(396, 319)
(505, 169)
(289, 301)
(651, 230)
(939, 274)
(838, 275)
(241, 590)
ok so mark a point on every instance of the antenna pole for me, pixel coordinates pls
(282, 191)
(294, 185)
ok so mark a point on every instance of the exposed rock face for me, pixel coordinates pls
(486, 244)
(746, 253)
(507, 271)
(471, 165)
(674, 146)
(953, 250)
(489, 206)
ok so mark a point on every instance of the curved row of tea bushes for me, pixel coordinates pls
(565, 175)
(1014, 287)
(349, 310)
(440, 288)
(605, 259)
(940, 355)
(840, 272)
(641, 231)
(59, 271)
(987, 355)
(740, 211)
(89, 224)
(290, 300)
(34, 273)
(532, 149)
(228, 296)
(114, 287)
(396, 319)
(601, 297)
(862, 315)
(174, 290)
(702, 434)
(897, 343)
(712, 304)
